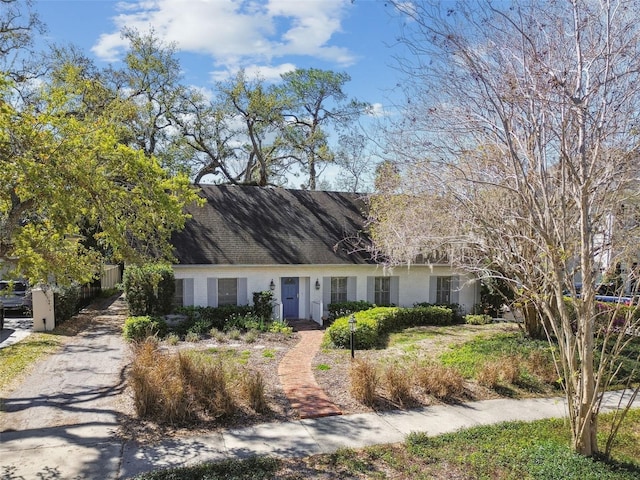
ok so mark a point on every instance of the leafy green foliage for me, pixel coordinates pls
(71, 193)
(66, 301)
(470, 356)
(139, 328)
(374, 325)
(149, 289)
(343, 309)
(263, 304)
(479, 319)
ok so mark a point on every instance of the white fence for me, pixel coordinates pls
(110, 277)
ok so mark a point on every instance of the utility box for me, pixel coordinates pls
(44, 318)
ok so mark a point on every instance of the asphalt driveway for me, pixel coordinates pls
(61, 422)
(15, 329)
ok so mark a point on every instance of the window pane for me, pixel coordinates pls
(382, 291)
(338, 289)
(227, 291)
(178, 298)
(443, 290)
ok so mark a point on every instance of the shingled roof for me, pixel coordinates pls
(248, 225)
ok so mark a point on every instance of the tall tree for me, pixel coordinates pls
(259, 108)
(317, 103)
(151, 78)
(65, 174)
(520, 142)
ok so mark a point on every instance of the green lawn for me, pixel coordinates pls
(17, 358)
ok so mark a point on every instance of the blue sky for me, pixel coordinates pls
(216, 37)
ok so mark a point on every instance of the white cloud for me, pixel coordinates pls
(377, 110)
(235, 33)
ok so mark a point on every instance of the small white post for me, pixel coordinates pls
(44, 318)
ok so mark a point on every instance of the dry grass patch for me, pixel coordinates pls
(442, 382)
(501, 371)
(397, 382)
(364, 379)
(253, 388)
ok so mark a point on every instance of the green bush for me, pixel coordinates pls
(343, 309)
(424, 315)
(478, 319)
(263, 304)
(141, 327)
(65, 302)
(149, 289)
(371, 326)
(455, 308)
(209, 317)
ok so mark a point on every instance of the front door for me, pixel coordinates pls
(290, 294)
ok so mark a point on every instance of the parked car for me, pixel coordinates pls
(15, 296)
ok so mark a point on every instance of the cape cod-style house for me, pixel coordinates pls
(308, 247)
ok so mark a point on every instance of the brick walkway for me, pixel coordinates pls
(298, 382)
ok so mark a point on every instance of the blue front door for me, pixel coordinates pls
(290, 295)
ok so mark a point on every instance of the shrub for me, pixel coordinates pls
(139, 328)
(149, 289)
(422, 315)
(343, 309)
(234, 334)
(66, 302)
(478, 319)
(251, 336)
(444, 383)
(209, 317)
(397, 382)
(365, 337)
(192, 337)
(263, 304)
(489, 374)
(371, 326)
(279, 326)
(363, 380)
(172, 339)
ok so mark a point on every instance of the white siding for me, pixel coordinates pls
(413, 284)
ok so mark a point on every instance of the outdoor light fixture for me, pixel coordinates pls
(272, 286)
(317, 284)
(352, 331)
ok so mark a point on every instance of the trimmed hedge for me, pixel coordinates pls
(373, 325)
(427, 315)
(149, 289)
(139, 328)
(343, 309)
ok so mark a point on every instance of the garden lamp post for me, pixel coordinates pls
(352, 331)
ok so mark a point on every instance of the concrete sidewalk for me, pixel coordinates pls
(91, 450)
